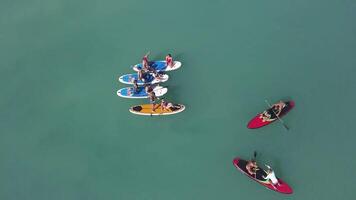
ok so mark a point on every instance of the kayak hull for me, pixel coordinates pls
(160, 66)
(129, 78)
(129, 92)
(257, 121)
(283, 187)
(146, 109)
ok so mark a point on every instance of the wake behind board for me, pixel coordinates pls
(283, 187)
(160, 66)
(129, 92)
(146, 109)
(150, 79)
(258, 121)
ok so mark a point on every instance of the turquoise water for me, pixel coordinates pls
(65, 134)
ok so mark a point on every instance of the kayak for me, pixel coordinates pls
(129, 92)
(258, 122)
(283, 187)
(160, 66)
(129, 78)
(146, 109)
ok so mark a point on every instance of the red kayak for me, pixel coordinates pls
(258, 121)
(282, 187)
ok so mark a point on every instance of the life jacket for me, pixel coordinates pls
(169, 59)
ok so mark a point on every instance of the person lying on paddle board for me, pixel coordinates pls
(169, 60)
(273, 112)
(252, 167)
(271, 177)
(165, 105)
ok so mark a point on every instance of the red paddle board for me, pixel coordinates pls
(258, 121)
(283, 187)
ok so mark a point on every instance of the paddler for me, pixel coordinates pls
(152, 97)
(169, 60)
(252, 167)
(274, 111)
(145, 62)
(271, 177)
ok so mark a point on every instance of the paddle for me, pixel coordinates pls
(254, 158)
(280, 120)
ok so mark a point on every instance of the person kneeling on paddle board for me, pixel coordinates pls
(271, 177)
(273, 112)
(169, 60)
(252, 167)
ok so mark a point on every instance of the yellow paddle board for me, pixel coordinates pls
(146, 109)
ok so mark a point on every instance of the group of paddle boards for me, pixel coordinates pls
(274, 113)
(145, 85)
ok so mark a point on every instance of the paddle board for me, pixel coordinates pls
(282, 187)
(129, 92)
(129, 78)
(146, 109)
(258, 121)
(160, 66)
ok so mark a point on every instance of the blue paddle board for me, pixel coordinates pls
(129, 92)
(150, 79)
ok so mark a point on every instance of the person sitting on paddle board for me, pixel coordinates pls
(148, 89)
(158, 75)
(169, 60)
(251, 167)
(273, 112)
(135, 86)
(271, 177)
(142, 75)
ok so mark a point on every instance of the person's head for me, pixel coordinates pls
(169, 55)
(135, 81)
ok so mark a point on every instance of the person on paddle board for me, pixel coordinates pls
(274, 111)
(148, 89)
(145, 61)
(271, 177)
(135, 86)
(252, 167)
(158, 75)
(142, 75)
(152, 97)
(169, 60)
(165, 105)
